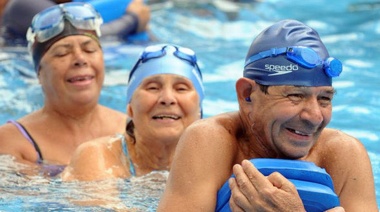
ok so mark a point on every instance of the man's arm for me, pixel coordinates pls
(202, 163)
(352, 174)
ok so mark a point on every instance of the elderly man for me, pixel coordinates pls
(285, 100)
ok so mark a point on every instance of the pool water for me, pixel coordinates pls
(220, 35)
(20, 192)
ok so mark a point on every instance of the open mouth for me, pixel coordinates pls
(166, 117)
(80, 78)
(298, 132)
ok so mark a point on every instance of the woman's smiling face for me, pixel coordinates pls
(163, 106)
(72, 70)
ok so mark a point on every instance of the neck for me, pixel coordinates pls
(71, 109)
(252, 141)
(81, 125)
(150, 156)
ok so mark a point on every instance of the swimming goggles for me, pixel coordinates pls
(303, 56)
(51, 21)
(157, 51)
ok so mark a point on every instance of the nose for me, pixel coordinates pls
(79, 57)
(167, 97)
(312, 112)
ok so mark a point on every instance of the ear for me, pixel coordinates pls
(244, 88)
(129, 111)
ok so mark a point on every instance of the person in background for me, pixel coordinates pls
(285, 104)
(164, 96)
(69, 63)
(2, 6)
(17, 16)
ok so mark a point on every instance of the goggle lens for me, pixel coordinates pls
(49, 22)
(80, 12)
(303, 56)
(47, 19)
(333, 67)
(152, 52)
(186, 54)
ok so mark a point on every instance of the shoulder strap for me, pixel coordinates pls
(125, 150)
(28, 137)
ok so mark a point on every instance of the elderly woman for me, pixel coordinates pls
(69, 64)
(164, 93)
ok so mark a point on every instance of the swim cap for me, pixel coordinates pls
(38, 50)
(290, 53)
(59, 21)
(166, 59)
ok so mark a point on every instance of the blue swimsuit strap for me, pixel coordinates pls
(125, 150)
(28, 137)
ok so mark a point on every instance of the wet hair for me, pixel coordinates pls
(130, 130)
(264, 88)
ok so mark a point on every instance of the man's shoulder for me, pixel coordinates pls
(338, 141)
(220, 121)
(329, 134)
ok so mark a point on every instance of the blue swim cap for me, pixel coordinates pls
(290, 53)
(166, 59)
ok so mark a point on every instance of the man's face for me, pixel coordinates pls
(289, 119)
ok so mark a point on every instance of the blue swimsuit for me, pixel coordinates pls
(125, 150)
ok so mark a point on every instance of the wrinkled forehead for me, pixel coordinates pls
(167, 79)
(304, 89)
(82, 40)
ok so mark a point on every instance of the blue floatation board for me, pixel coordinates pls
(314, 184)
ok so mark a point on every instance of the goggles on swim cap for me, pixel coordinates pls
(157, 51)
(303, 56)
(51, 21)
(166, 59)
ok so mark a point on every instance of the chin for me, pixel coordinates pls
(297, 154)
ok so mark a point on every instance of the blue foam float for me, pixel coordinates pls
(314, 184)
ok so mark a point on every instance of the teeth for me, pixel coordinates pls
(166, 116)
(298, 132)
(79, 79)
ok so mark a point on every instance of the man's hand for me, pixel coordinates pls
(252, 191)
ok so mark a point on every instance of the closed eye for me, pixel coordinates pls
(182, 88)
(325, 100)
(152, 87)
(295, 97)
